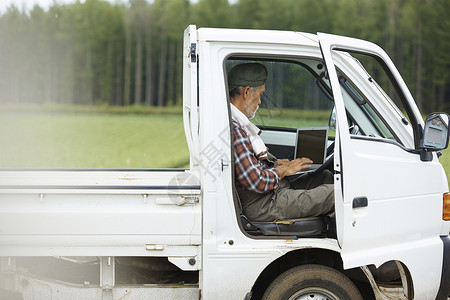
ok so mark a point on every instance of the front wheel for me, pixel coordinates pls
(312, 282)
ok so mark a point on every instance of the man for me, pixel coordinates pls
(265, 193)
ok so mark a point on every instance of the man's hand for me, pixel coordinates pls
(283, 161)
(287, 167)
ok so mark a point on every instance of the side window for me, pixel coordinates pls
(378, 111)
(363, 119)
(296, 95)
(293, 97)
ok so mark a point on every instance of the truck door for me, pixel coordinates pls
(388, 201)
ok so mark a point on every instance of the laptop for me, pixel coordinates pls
(311, 142)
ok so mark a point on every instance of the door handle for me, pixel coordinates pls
(360, 202)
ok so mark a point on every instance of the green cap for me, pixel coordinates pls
(249, 74)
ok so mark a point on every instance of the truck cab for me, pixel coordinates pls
(182, 233)
(388, 197)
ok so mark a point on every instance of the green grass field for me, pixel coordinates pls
(99, 140)
(92, 140)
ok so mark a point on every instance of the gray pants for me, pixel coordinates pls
(310, 195)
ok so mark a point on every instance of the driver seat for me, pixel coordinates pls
(295, 228)
(319, 227)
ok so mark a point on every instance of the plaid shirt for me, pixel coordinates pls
(251, 173)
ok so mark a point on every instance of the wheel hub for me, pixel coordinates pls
(313, 293)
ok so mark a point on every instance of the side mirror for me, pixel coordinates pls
(435, 134)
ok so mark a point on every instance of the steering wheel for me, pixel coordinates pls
(329, 160)
(354, 129)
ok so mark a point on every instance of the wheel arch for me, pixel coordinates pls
(324, 257)
(383, 274)
(319, 256)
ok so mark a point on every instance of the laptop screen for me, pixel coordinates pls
(312, 143)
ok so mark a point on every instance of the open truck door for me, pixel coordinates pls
(380, 179)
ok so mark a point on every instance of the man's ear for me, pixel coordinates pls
(246, 92)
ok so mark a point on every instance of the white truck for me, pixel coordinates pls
(181, 233)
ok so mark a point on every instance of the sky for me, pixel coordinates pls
(45, 4)
(4, 4)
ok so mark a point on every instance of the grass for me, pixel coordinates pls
(445, 161)
(92, 140)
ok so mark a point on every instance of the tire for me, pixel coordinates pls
(311, 282)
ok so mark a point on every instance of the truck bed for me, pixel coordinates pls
(99, 213)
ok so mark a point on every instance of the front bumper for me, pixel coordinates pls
(444, 289)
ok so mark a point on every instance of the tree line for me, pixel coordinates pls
(96, 52)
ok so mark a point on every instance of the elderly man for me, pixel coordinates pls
(265, 193)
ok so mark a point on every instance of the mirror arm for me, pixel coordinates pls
(425, 155)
